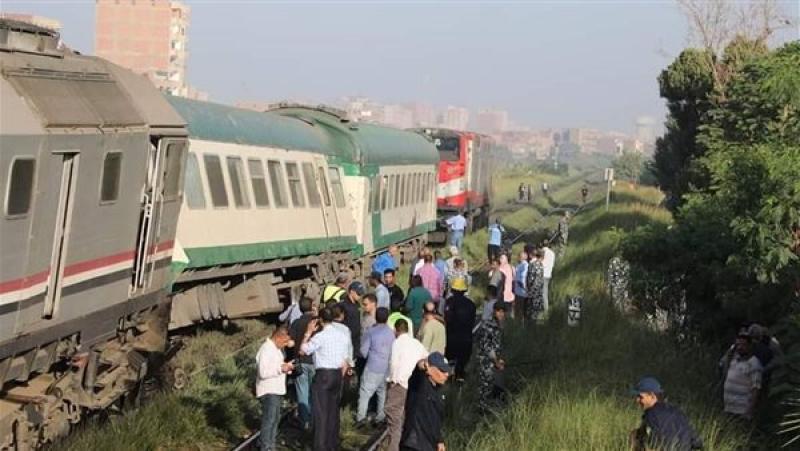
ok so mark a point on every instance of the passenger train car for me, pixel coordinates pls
(105, 178)
(91, 158)
(465, 175)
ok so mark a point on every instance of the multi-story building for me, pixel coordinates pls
(149, 37)
(398, 116)
(455, 118)
(39, 21)
(492, 122)
(423, 115)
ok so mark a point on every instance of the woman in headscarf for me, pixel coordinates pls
(508, 286)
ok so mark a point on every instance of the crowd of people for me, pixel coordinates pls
(386, 353)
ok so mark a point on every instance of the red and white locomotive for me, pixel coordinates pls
(465, 173)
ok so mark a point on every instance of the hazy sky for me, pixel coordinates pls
(549, 63)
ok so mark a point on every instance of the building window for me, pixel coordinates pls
(236, 176)
(277, 181)
(311, 185)
(195, 199)
(20, 187)
(112, 168)
(216, 182)
(295, 185)
(258, 182)
(336, 185)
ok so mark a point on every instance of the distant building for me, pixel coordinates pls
(398, 116)
(645, 129)
(39, 21)
(491, 122)
(149, 37)
(423, 115)
(455, 118)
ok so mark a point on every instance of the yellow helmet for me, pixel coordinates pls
(459, 284)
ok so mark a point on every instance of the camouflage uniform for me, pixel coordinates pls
(489, 344)
(618, 278)
(563, 234)
(534, 281)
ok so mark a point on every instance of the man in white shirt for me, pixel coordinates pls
(271, 383)
(456, 225)
(407, 352)
(548, 262)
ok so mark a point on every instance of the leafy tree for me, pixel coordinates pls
(628, 166)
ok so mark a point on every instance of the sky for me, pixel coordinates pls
(549, 63)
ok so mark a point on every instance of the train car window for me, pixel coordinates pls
(193, 185)
(336, 185)
(277, 181)
(396, 202)
(216, 183)
(384, 186)
(374, 194)
(173, 172)
(402, 192)
(109, 180)
(236, 177)
(326, 195)
(447, 147)
(409, 179)
(258, 182)
(417, 186)
(19, 193)
(311, 185)
(295, 185)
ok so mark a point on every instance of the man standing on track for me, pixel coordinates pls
(457, 225)
(496, 231)
(406, 352)
(332, 351)
(302, 383)
(376, 347)
(548, 261)
(271, 384)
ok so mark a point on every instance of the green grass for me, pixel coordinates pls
(571, 383)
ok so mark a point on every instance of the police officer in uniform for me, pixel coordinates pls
(663, 426)
(490, 339)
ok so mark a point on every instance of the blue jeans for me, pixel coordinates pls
(371, 383)
(270, 417)
(302, 386)
(457, 238)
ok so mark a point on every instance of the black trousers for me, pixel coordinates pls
(493, 252)
(326, 391)
(460, 351)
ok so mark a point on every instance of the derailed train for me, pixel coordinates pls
(127, 213)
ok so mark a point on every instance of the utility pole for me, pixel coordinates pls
(609, 178)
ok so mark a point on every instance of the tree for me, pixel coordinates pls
(629, 166)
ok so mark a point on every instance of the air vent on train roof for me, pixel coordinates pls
(16, 36)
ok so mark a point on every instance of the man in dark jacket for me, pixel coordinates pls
(460, 320)
(352, 315)
(422, 430)
(305, 364)
(396, 295)
(664, 427)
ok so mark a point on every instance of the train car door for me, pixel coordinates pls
(162, 187)
(66, 197)
(329, 214)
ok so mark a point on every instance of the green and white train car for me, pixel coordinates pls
(390, 179)
(280, 201)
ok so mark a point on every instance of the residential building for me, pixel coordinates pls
(39, 21)
(455, 118)
(491, 122)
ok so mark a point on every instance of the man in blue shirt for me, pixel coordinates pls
(376, 347)
(457, 225)
(663, 426)
(520, 288)
(385, 261)
(495, 239)
(440, 264)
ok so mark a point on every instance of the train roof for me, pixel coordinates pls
(368, 144)
(222, 123)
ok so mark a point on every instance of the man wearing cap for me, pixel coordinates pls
(460, 320)
(423, 425)
(490, 341)
(406, 353)
(352, 316)
(381, 292)
(663, 426)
